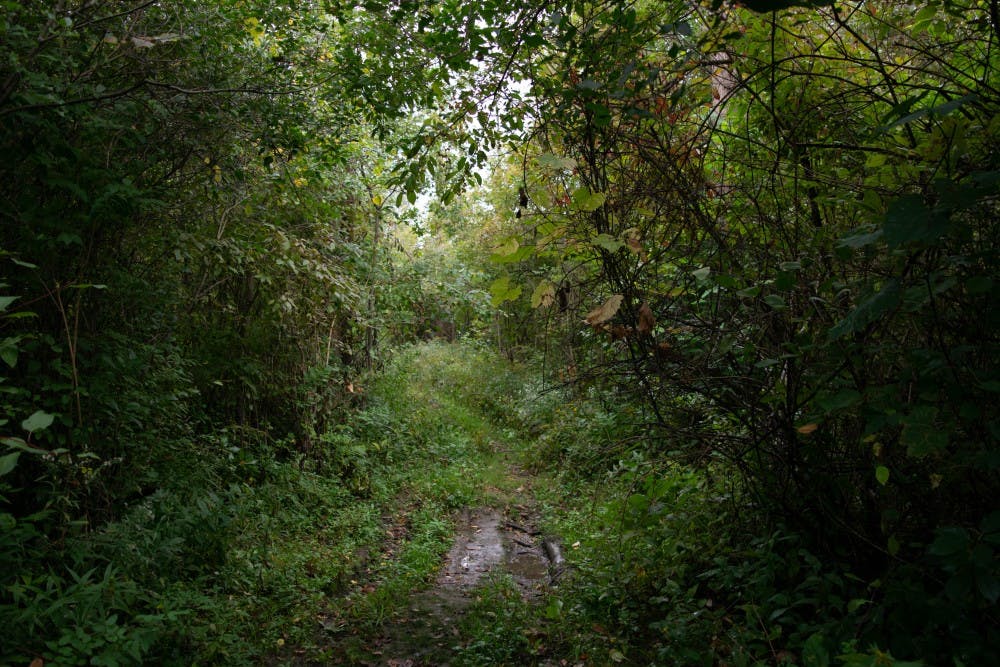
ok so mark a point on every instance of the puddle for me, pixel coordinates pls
(525, 558)
(485, 540)
(478, 548)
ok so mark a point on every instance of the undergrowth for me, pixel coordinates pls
(254, 558)
(247, 553)
(668, 565)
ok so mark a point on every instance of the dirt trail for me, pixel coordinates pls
(485, 540)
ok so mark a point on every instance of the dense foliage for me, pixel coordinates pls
(780, 231)
(186, 251)
(753, 243)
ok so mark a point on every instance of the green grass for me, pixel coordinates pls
(425, 446)
(250, 554)
(278, 561)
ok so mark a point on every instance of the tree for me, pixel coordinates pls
(784, 222)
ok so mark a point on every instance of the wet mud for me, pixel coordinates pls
(486, 540)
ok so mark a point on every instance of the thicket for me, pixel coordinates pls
(188, 255)
(776, 233)
(758, 247)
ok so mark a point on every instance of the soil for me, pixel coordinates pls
(485, 540)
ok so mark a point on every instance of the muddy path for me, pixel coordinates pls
(487, 541)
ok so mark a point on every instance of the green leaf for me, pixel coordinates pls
(608, 242)
(9, 354)
(875, 160)
(554, 162)
(940, 110)
(5, 302)
(67, 238)
(775, 302)
(989, 586)
(843, 399)
(702, 274)
(39, 421)
(814, 653)
(534, 40)
(502, 290)
(990, 527)
(900, 111)
(921, 435)
(521, 253)
(949, 541)
(21, 445)
(855, 604)
(638, 503)
(784, 281)
(909, 220)
(776, 5)
(882, 475)
(8, 462)
(507, 248)
(544, 294)
(868, 311)
(601, 114)
(586, 201)
(861, 239)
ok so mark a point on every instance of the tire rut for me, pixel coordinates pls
(486, 540)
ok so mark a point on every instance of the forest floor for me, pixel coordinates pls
(464, 560)
(499, 541)
(487, 543)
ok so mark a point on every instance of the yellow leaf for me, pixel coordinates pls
(807, 428)
(544, 295)
(255, 29)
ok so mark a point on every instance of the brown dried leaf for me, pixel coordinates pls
(646, 320)
(605, 311)
(618, 332)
